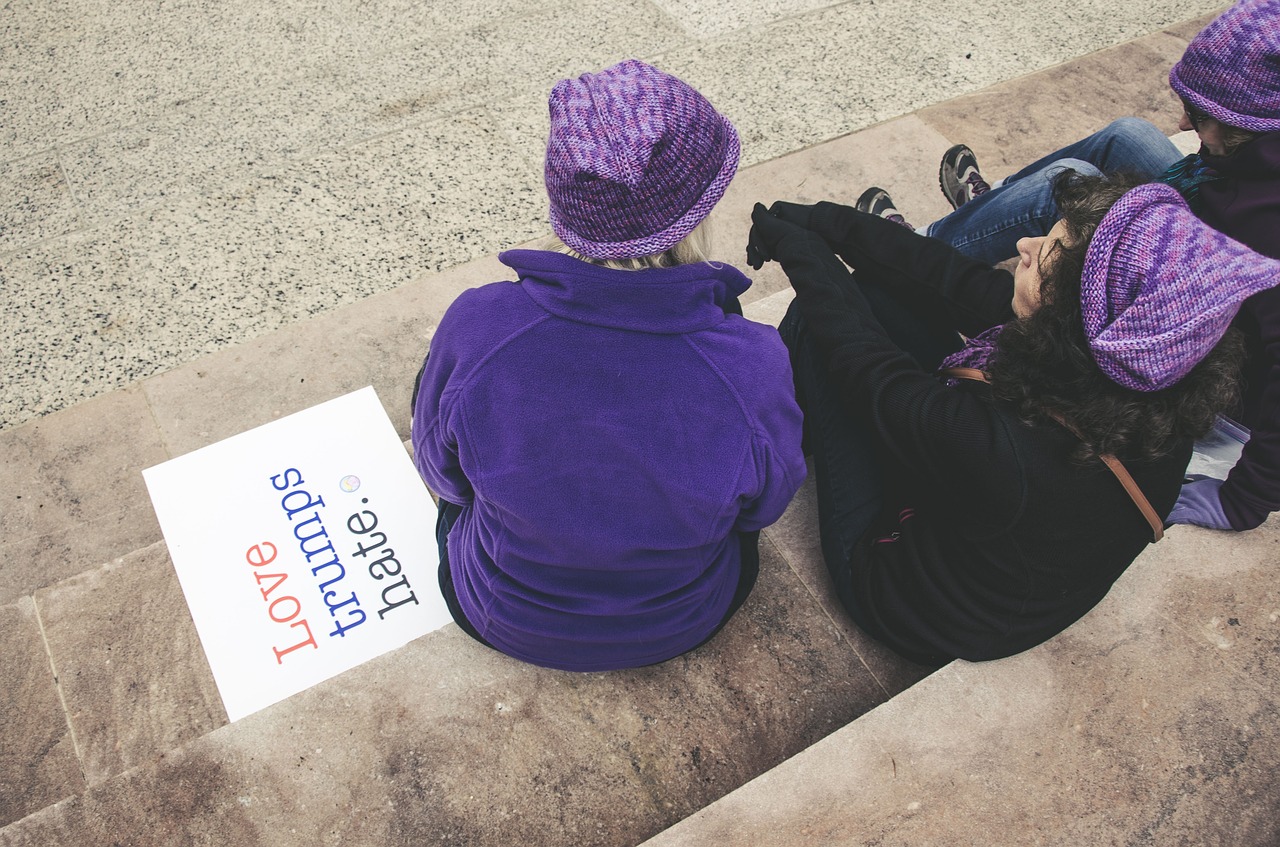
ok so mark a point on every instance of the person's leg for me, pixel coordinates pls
(988, 227)
(749, 551)
(447, 516)
(1127, 145)
(846, 470)
(413, 398)
(928, 336)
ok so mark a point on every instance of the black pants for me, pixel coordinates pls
(848, 471)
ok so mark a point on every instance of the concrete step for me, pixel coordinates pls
(110, 692)
(113, 731)
(1153, 720)
(281, 160)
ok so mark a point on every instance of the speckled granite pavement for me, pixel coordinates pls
(1151, 722)
(179, 177)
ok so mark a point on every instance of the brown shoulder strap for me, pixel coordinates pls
(965, 373)
(1114, 464)
(1135, 494)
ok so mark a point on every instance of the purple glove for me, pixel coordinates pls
(1199, 504)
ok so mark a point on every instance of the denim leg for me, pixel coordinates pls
(988, 227)
(1127, 145)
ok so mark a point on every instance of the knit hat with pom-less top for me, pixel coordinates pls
(636, 159)
(1160, 288)
(1231, 70)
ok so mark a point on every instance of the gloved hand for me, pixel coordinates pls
(1199, 503)
(768, 231)
(799, 214)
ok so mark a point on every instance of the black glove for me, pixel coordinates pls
(799, 214)
(768, 231)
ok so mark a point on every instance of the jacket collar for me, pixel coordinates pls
(667, 300)
(1256, 159)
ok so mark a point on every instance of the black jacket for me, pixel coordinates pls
(1245, 204)
(993, 538)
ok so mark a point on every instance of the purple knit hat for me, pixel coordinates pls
(636, 159)
(1159, 288)
(1231, 70)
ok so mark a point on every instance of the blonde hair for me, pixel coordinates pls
(695, 247)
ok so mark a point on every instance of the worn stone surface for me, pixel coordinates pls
(1210, 586)
(1015, 123)
(445, 741)
(133, 676)
(75, 495)
(1150, 721)
(153, 291)
(378, 341)
(37, 202)
(776, 679)
(38, 763)
(1189, 28)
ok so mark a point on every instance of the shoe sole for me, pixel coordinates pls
(951, 187)
(867, 198)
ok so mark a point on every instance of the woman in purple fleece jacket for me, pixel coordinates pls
(607, 434)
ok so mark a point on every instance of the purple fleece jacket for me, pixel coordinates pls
(1245, 204)
(607, 434)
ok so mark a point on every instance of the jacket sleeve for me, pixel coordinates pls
(951, 436)
(776, 457)
(974, 295)
(435, 441)
(1252, 489)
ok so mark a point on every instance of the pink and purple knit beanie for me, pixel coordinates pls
(635, 160)
(1160, 288)
(1231, 70)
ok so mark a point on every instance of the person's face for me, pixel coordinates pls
(1034, 254)
(1209, 130)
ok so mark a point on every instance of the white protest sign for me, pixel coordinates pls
(304, 548)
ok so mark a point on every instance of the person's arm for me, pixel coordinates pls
(888, 255)
(945, 434)
(1252, 489)
(435, 444)
(777, 461)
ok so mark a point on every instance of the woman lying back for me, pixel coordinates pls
(975, 519)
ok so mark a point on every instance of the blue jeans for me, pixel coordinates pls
(988, 227)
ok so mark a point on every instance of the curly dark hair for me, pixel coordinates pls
(1043, 367)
